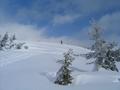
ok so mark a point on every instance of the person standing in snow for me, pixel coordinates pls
(61, 42)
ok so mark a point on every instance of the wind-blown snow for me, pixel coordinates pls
(35, 69)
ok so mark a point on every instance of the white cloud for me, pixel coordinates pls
(57, 11)
(111, 22)
(23, 32)
(93, 6)
(60, 12)
(111, 26)
(33, 33)
(49, 8)
(62, 19)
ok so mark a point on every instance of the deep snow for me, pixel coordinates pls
(35, 69)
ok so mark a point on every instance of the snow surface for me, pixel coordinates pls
(35, 69)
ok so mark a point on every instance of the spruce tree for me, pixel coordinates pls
(4, 41)
(11, 41)
(14, 37)
(105, 54)
(63, 76)
(7, 42)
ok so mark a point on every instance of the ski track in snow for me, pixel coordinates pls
(14, 56)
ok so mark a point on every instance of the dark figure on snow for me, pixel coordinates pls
(61, 42)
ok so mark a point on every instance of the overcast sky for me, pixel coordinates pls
(53, 20)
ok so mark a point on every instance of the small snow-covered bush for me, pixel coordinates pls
(26, 47)
(19, 45)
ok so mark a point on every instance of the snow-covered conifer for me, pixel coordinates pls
(7, 42)
(11, 41)
(4, 41)
(104, 53)
(63, 76)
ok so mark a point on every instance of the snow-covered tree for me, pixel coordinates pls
(63, 76)
(4, 41)
(105, 54)
(109, 62)
(11, 42)
(12, 38)
(8, 42)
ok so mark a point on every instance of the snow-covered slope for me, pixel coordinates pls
(34, 69)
